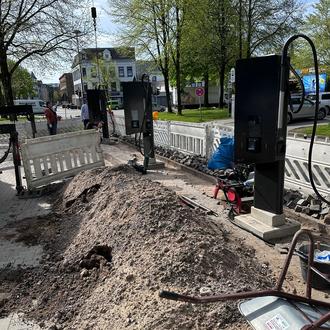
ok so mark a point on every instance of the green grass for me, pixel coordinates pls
(322, 130)
(20, 118)
(194, 115)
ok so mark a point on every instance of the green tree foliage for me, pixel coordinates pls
(318, 25)
(22, 83)
(145, 25)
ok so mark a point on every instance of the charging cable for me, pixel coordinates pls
(317, 97)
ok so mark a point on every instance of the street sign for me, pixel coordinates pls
(232, 75)
(199, 91)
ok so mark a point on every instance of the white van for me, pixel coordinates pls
(37, 105)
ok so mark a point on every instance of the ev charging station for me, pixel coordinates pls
(138, 119)
(261, 103)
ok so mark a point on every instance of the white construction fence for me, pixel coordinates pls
(51, 158)
(204, 138)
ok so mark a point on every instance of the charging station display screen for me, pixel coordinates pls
(257, 139)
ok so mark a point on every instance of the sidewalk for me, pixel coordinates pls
(14, 255)
(11, 207)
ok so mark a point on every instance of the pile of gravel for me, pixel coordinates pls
(121, 239)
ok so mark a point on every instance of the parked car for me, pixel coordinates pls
(307, 110)
(157, 107)
(324, 100)
(115, 104)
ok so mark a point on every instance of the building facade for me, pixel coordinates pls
(104, 67)
(66, 88)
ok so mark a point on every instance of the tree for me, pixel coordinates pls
(267, 23)
(108, 73)
(34, 29)
(318, 26)
(144, 25)
(222, 18)
(198, 62)
(175, 27)
(22, 83)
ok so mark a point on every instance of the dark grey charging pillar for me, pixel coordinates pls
(260, 139)
(138, 116)
(269, 185)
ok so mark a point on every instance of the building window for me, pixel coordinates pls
(76, 75)
(84, 72)
(129, 71)
(154, 78)
(121, 71)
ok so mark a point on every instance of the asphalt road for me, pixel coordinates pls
(74, 113)
(306, 122)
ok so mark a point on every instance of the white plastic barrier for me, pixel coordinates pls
(203, 139)
(51, 158)
(188, 137)
(296, 164)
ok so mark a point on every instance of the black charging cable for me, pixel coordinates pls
(317, 97)
(302, 99)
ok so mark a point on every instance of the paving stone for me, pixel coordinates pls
(315, 208)
(291, 205)
(316, 202)
(302, 202)
(324, 211)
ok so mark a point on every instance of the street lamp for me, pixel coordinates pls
(77, 33)
(93, 12)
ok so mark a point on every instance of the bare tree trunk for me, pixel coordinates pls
(178, 61)
(249, 31)
(206, 89)
(168, 93)
(6, 79)
(240, 19)
(222, 84)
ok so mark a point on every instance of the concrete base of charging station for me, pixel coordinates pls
(155, 164)
(266, 225)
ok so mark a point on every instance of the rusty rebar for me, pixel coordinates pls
(289, 257)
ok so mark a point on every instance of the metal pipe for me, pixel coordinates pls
(289, 257)
(317, 324)
(240, 295)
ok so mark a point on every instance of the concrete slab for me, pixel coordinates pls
(271, 219)
(264, 231)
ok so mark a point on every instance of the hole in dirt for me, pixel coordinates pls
(84, 195)
(97, 255)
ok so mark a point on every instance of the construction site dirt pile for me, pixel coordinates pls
(120, 239)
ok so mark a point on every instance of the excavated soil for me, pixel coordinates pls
(114, 241)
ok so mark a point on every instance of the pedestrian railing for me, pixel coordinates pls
(63, 126)
(203, 139)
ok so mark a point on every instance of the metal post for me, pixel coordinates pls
(93, 11)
